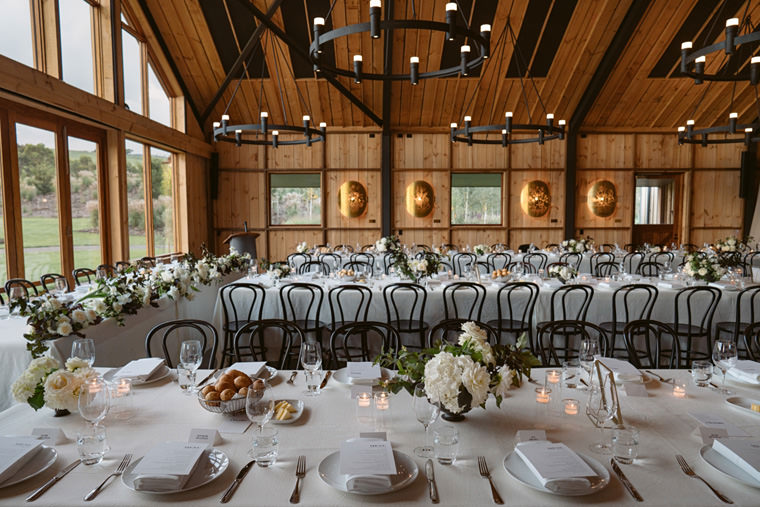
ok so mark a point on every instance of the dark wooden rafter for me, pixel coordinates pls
(302, 52)
(170, 59)
(245, 54)
(620, 40)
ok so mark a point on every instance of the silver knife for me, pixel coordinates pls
(49, 484)
(631, 489)
(324, 381)
(240, 476)
(430, 474)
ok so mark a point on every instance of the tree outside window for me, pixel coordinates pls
(475, 199)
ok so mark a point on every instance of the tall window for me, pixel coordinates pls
(85, 209)
(475, 198)
(295, 199)
(132, 71)
(39, 203)
(76, 43)
(159, 105)
(16, 32)
(150, 167)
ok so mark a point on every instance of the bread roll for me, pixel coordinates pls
(208, 389)
(243, 391)
(242, 381)
(234, 373)
(227, 394)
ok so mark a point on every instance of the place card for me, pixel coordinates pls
(530, 435)
(205, 436)
(235, 424)
(363, 370)
(713, 426)
(52, 436)
(623, 370)
(635, 389)
(367, 457)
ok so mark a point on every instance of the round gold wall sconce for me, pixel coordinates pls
(535, 198)
(602, 198)
(420, 199)
(352, 199)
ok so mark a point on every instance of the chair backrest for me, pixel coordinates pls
(607, 247)
(569, 333)
(242, 302)
(172, 333)
(48, 281)
(358, 266)
(652, 342)
(752, 341)
(343, 248)
(600, 257)
(731, 258)
(463, 300)
(270, 336)
(747, 308)
(405, 302)
(633, 302)
(387, 262)
(524, 267)
(449, 246)
(424, 248)
(122, 265)
(332, 260)
(83, 273)
(572, 258)
(751, 260)
(538, 259)
(364, 257)
(690, 247)
(448, 331)
(314, 266)
(349, 303)
(296, 259)
(696, 306)
(663, 258)
(629, 247)
(551, 247)
(649, 268)
(108, 269)
(301, 301)
(498, 260)
(445, 267)
(571, 302)
(27, 287)
(515, 302)
(147, 261)
(462, 261)
(362, 341)
(368, 248)
(606, 269)
(499, 247)
(631, 262)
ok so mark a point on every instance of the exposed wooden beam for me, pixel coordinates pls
(245, 54)
(302, 52)
(170, 59)
(385, 147)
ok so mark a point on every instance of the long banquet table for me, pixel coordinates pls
(163, 413)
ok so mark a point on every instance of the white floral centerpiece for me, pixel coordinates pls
(385, 244)
(302, 247)
(733, 244)
(562, 272)
(461, 376)
(276, 270)
(45, 383)
(577, 245)
(481, 249)
(706, 268)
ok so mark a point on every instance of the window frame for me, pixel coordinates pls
(320, 225)
(501, 174)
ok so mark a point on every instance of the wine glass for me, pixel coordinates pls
(94, 400)
(84, 348)
(311, 360)
(724, 356)
(426, 413)
(190, 357)
(60, 286)
(601, 408)
(259, 405)
(589, 349)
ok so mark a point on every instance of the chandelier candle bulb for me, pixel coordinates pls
(451, 17)
(357, 69)
(504, 138)
(485, 32)
(225, 121)
(508, 117)
(275, 134)
(699, 69)
(550, 119)
(562, 124)
(374, 18)
(238, 137)
(685, 49)
(732, 27)
(464, 52)
(414, 69)
(317, 30)
(747, 136)
(732, 118)
(571, 406)
(263, 116)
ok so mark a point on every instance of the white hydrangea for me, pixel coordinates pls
(302, 247)
(442, 381)
(75, 363)
(505, 381)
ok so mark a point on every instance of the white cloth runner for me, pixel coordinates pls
(368, 483)
(140, 369)
(746, 371)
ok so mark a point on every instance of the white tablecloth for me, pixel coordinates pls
(163, 413)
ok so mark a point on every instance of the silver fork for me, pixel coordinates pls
(119, 470)
(688, 471)
(660, 378)
(295, 497)
(483, 467)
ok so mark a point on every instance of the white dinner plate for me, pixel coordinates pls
(294, 416)
(41, 461)
(726, 467)
(213, 464)
(159, 374)
(742, 403)
(516, 467)
(342, 377)
(406, 468)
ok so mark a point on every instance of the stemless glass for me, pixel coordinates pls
(190, 357)
(94, 400)
(311, 360)
(600, 409)
(259, 405)
(84, 348)
(724, 356)
(589, 349)
(60, 286)
(426, 413)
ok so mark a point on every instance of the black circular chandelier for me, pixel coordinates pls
(503, 133)
(263, 133)
(471, 55)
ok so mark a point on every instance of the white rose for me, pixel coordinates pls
(79, 316)
(173, 292)
(167, 276)
(64, 328)
(475, 379)
(75, 363)
(505, 381)
(116, 307)
(62, 390)
(702, 271)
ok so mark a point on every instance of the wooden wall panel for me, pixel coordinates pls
(466, 236)
(539, 237)
(283, 242)
(353, 237)
(715, 200)
(607, 235)
(554, 217)
(295, 156)
(550, 155)
(247, 156)
(193, 203)
(728, 156)
(701, 236)
(242, 197)
(413, 151)
(661, 151)
(605, 151)
(361, 151)
(623, 214)
(371, 181)
(479, 156)
(426, 236)
(441, 183)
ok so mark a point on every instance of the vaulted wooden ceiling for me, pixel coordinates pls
(562, 42)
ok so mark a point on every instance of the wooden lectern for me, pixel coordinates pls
(243, 242)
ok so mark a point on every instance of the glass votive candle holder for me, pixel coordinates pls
(553, 376)
(543, 395)
(679, 390)
(382, 401)
(121, 399)
(364, 409)
(571, 406)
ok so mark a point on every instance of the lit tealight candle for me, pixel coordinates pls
(364, 399)
(571, 406)
(553, 376)
(123, 388)
(382, 401)
(679, 391)
(543, 395)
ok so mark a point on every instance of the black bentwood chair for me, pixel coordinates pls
(27, 287)
(515, 303)
(405, 310)
(652, 344)
(694, 310)
(570, 333)
(463, 300)
(572, 258)
(314, 267)
(48, 281)
(270, 337)
(241, 303)
(174, 332)
(746, 312)
(83, 273)
(629, 302)
(348, 303)
(362, 341)
(498, 260)
(448, 331)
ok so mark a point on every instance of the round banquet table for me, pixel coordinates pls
(162, 413)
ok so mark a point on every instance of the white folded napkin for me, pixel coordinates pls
(160, 482)
(140, 369)
(746, 371)
(744, 453)
(168, 466)
(569, 486)
(252, 369)
(556, 466)
(368, 483)
(623, 370)
(552, 283)
(363, 371)
(15, 452)
(671, 284)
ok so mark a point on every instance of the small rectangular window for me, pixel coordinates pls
(159, 105)
(76, 43)
(85, 209)
(16, 32)
(295, 199)
(130, 48)
(163, 201)
(475, 199)
(138, 244)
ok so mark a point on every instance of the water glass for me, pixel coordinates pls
(92, 444)
(571, 374)
(61, 285)
(446, 444)
(701, 372)
(84, 348)
(313, 380)
(265, 447)
(625, 444)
